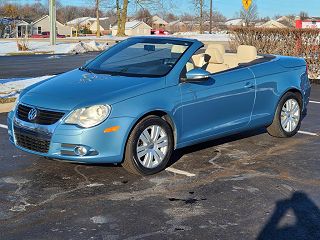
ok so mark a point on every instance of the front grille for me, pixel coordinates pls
(44, 117)
(32, 140)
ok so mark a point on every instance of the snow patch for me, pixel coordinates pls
(8, 47)
(99, 219)
(214, 37)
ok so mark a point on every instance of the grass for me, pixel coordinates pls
(7, 100)
(29, 53)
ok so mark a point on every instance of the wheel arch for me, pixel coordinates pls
(295, 91)
(291, 89)
(162, 114)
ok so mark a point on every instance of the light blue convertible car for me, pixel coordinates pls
(143, 98)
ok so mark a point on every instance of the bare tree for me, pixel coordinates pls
(303, 15)
(97, 16)
(251, 15)
(211, 15)
(144, 15)
(122, 11)
(199, 6)
(170, 17)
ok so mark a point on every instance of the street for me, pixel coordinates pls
(247, 186)
(40, 65)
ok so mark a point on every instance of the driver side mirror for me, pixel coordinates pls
(197, 75)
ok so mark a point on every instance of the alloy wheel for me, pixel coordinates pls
(290, 115)
(152, 146)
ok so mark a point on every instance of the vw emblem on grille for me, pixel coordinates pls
(32, 114)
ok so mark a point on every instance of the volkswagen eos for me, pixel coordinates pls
(144, 97)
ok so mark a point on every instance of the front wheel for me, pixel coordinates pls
(149, 146)
(287, 119)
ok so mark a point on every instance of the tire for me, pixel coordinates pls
(277, 128)
(151, 158)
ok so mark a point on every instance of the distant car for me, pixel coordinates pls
(159, 32)
(144, 97)
(46, 35)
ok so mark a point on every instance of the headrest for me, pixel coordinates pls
(215, 56)
(246, 53)
(178, 49)
(220, 47)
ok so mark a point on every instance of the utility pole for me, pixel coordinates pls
(98, 19)
(53, 17)
(210, 30)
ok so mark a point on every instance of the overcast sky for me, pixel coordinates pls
(230, 7)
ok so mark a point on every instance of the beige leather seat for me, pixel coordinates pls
(220, 47)
(216, 62)
(246, 54)
(178, 48)
(202, 59)
(198, 60)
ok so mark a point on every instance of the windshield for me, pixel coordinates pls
(140, 57)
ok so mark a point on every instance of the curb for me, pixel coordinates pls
(6, 107)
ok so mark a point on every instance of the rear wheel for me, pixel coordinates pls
(287, 119)
(149, 146)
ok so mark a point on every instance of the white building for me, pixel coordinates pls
(43, 25)
(134, 28)
(238, 22)
(91, 24)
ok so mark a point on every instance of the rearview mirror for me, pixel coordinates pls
(197, 75)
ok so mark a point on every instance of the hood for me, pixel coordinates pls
(77, 88)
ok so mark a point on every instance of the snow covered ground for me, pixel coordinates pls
(9, 47)
(214, 37)
(12, 87)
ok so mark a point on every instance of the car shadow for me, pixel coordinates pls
(306, 225)
(177, 154)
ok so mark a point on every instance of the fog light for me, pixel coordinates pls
(80, 151)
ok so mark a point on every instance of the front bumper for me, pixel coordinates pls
(102, 147)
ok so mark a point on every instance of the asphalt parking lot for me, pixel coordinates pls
(41, 65)
(248, 186)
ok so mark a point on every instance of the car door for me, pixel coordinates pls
(221, 104)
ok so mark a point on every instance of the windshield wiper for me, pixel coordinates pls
(85, 69)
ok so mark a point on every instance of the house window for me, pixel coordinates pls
(39, 30)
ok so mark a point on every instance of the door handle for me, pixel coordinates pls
(249, 85)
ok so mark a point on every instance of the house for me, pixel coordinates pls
(158, 23)
(286, 21)
(238, 22)
(43, 25)
(91, 24)
(282, 22)
(272, 24)
(176, 26)
(134, 28)
(313, 23)
(10, 28)
(23, 28)
(105, 26)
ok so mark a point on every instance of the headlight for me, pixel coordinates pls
(89, 116)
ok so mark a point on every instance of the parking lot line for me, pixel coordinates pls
(314, 102)
(308, 133)
(3, 126)
(171, 169)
